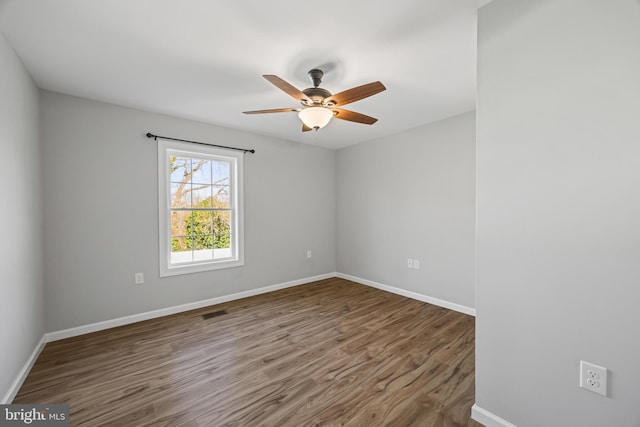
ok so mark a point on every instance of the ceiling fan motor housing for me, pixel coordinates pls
(316, 94)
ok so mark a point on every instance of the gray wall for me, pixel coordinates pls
(21, 284)
(558, 226)
(101, 213)
(411, 195)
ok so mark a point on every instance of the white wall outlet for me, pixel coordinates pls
(416, 264)
(593, 377)
(139, 278)
(410, 263)
(309, 253)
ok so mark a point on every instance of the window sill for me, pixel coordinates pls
(199, 268)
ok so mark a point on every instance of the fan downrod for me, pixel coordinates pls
(316, 76)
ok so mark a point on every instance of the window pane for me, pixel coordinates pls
(222, 225)
(221, 196)
(220, 171)
(201, 223)
(181, 223)
(180, 195)
(222, 237)
(203, 247)
(201, 171)
(204, 255)
(201, 196)
(222, 246)
(203, 241)
(179, 251)
(181, 244)
(179, 168)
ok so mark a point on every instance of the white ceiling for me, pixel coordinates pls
(203, 59)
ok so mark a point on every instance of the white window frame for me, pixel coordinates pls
(167, 148)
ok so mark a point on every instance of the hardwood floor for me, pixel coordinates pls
(328, 353)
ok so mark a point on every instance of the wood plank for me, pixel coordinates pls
(331, 352)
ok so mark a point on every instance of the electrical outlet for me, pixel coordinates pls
(309, 253)
(139, 278)
(593, 378)
(410, 263)
(416, 264)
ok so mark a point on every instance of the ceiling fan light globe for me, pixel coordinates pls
(315, 117)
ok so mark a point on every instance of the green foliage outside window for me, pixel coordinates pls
(205, 229)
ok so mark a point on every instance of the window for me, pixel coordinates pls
(200, 208)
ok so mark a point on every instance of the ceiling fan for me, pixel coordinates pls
(319, 105)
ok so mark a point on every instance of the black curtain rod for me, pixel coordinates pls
(150, 135)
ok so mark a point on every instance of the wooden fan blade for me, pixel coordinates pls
(355, 94)
(352, 116)
(305, 128)
(289, 89)
(274, 110)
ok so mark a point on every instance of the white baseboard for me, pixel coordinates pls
(487, 418)
(409, 294)
(22, 375)
(106, 324)
(99, 326)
